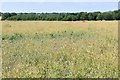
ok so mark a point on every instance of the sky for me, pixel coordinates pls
(58, 6)
(59, 0)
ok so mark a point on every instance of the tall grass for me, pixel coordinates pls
(60, 49)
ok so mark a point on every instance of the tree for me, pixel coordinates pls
(5, 16)
(99, 17)
(107, 16)
(68, 18)
(111, 15)
(90, 16)
(84, 16)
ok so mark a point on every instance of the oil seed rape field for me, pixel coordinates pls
(44, 49)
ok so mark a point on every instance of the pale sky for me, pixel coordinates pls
(59, 0)
(57, 5)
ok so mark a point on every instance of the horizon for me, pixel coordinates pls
(58, 7)
(55, 12)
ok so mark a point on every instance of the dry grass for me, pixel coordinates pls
(54, 26)
(60, 49)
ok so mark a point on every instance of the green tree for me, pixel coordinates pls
(84, 16)
(99, 17)
(90, 16)
(107, 16)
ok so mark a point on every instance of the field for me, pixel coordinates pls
(43, 49)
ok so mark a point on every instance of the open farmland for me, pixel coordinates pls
(62, 49)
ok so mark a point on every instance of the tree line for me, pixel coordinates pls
(110, 15)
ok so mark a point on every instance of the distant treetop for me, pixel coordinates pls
(110, 15)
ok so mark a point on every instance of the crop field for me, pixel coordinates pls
(44, 49)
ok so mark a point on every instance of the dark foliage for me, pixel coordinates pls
(110, 15)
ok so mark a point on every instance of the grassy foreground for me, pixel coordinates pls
(60, 49)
